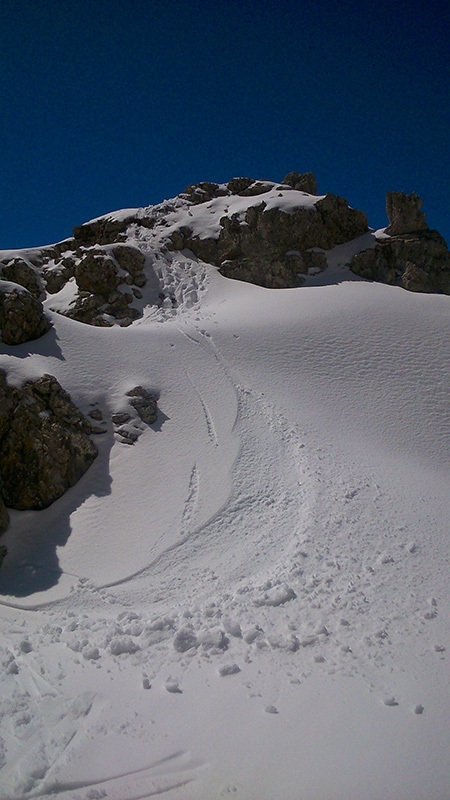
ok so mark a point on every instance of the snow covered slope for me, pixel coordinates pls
(252, 601)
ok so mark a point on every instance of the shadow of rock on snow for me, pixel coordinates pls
(161, 418)
(32, 539)
(47, 345)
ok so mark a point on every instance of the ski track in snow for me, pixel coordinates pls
(212, 433)
(310, 567)
(191, 501)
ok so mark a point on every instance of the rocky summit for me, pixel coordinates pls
(264, 232)
(126, 266)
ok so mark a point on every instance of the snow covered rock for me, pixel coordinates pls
(19, 271)
(44, 443)
(144, 403)
(101, 231)
(98, 275)
(21, 315)
(184, 640)
(268, 243)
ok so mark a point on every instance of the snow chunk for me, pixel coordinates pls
(390, 701)
(232, 627)
(213, 640)
(276, 596)
(121, 645)
(229, 669)
(184, 640)
(91, 653)
(172, 685)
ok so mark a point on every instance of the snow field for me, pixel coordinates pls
(252, 601)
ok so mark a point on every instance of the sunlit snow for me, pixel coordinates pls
(252, 601)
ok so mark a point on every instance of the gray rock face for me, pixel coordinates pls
(270, 247)
(18, 271)
(57, 277)
(404, 214)
(419, 262)
(129, 259)
(21, 315)
(302, 182)
(243, 187)
(44, 443)
(98, 275)
(101, 231)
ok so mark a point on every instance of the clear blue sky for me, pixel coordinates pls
(108, 104)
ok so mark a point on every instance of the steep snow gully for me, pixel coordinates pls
(252, 601)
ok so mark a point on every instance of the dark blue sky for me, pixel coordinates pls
(115, 103)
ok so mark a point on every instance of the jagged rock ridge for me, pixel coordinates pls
(272, 234)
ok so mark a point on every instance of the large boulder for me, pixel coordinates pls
(96, 273)
(44, 443)
(201, 192)
(21, 315)
(18, 271)
(129, 259)
(404, 214)
(56, 276)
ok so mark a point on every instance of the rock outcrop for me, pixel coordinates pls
(110, 228)
(260, 231)
(204, 191)
(98, 275)
(18, 271)
(44, 443)
(242, 187)
(101, 231)
(21, 315)
(272, 247)
(302, 182)
(416, 259)
(404, 214)
(144, 403)
(140, 409)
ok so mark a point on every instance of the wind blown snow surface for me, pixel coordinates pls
(252, 601)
